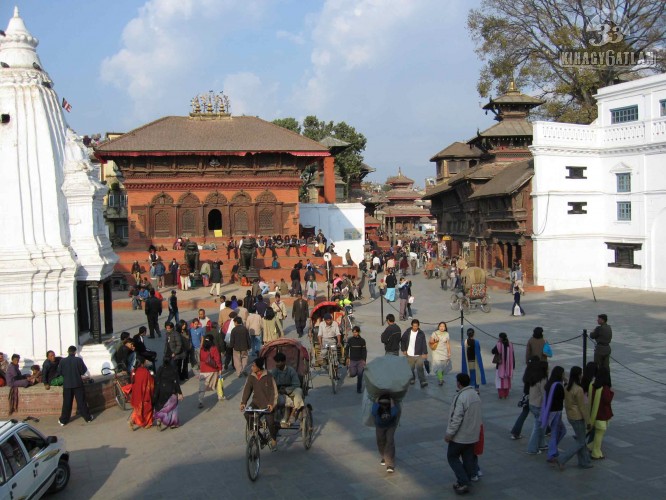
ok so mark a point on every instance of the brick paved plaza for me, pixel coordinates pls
(204, 458)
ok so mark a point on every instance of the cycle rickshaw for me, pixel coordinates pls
(474, 291)
(331, 358)
(256, 430)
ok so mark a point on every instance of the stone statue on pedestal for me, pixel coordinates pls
(247, 253)
(192, 255)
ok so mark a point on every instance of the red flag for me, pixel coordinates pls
(66, 105)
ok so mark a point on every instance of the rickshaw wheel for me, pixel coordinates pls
(465, 304)
(120, 396)
(455, 302)
(307, 427)
(485, 305)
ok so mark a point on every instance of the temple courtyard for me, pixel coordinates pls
(205, 457)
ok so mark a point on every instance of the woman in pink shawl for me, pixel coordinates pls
(505, 362)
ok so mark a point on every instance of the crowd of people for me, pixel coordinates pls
(211, 351)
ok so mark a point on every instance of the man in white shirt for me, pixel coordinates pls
(329, 331)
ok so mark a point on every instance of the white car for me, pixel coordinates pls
(30, 463)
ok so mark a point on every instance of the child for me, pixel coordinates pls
(36, 376)
(382, 287)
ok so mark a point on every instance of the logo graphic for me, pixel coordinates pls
(604, 32)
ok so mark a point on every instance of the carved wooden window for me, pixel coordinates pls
(266, 221)
(162, 199)
(266, 197)
(216, 198)
(241, 198)
(189, 221)
(576, 172)
(162, 222)
(624, 254)
(240, 222)
(189, 200)
(577, 207)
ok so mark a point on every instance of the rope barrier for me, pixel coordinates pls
(390, 304)
(517, 343)
(636, 373)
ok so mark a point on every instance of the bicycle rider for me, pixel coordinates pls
(261, 386)
(329, 332)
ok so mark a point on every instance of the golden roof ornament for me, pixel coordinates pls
(210, 105)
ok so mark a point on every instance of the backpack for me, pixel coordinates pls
(269, 314)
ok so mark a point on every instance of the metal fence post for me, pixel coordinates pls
(584, 348)
(381, 308)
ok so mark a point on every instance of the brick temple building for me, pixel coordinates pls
(210, 175)
(482, 199)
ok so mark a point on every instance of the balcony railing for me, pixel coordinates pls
(589, 136)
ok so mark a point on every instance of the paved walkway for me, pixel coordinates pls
(205, 457)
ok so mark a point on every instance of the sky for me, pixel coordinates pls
(402, 72)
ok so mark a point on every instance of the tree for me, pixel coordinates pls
(521, 40)
(348, 162)
(288, 123)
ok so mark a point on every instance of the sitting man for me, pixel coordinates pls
(329, 332)
(288, 385)
(125, 356)
(50, 370)
(261, 386)
(264, 289)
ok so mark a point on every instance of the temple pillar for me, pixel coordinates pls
(329, 179)
(108, 307)
(95, 320)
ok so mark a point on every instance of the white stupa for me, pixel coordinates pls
(54, 250)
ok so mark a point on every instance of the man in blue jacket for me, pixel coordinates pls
(72, 368)
(413, 345)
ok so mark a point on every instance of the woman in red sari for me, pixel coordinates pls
(142, 397)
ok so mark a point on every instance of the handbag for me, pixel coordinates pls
(497, 358)
(426, 365)
(410, 300)
(547, 350)
(433, 343)
(524, 401)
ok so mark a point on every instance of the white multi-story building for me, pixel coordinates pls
(600, 193)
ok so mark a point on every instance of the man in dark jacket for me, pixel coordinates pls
(72, 368)
(295, 277)
(216, 279)
(391, 336)
(413, 345)
(240, 342)
(300, 313)
(356, 354)
(153, 310)
(173, 307)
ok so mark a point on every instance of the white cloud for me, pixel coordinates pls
(298, 39)
(402, 72)
(250, 96)
(169, 47)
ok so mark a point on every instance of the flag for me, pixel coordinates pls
(66, 105)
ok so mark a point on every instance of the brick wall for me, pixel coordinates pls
(36, 401)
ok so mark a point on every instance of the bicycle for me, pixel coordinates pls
(121, 391)
(257, 436)
(333, 364)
